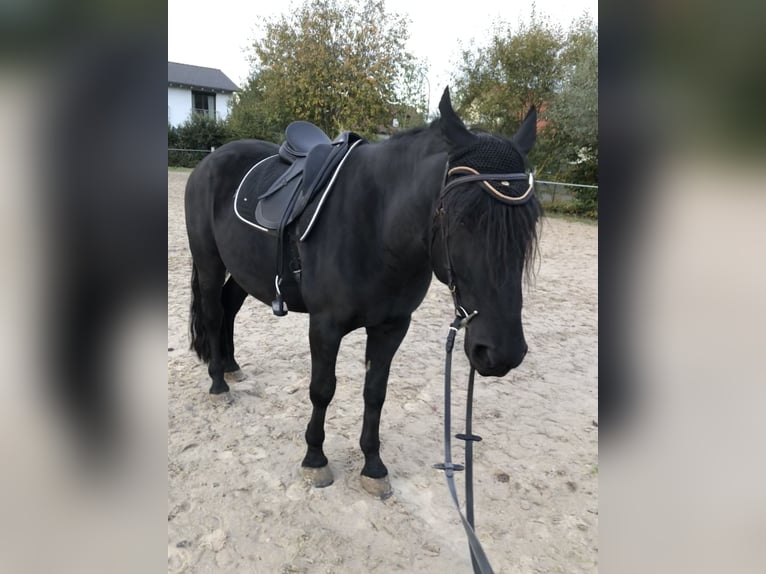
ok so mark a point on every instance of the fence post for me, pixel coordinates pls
(212, 148)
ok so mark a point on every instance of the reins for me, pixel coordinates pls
(479, 558)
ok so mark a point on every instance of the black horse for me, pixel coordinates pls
(400, 210)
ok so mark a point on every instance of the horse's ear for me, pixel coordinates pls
(453, 128)
(527, 133)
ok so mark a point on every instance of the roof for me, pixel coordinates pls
(199, 77)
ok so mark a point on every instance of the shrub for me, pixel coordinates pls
(586, 202)
(172, 136)
(199, 132)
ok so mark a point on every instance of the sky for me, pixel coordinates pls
(217, 34)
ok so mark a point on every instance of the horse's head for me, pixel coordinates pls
(485, 236)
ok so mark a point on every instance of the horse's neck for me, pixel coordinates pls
(420, 167)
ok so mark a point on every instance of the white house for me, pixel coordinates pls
(197, 89)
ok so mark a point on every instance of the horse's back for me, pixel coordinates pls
(227, 165)
(213, 183)
(217, 175)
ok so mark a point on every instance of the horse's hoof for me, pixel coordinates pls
(221, 398)
(378, 487)
(317, 477)
(219, 389)
(235, 376)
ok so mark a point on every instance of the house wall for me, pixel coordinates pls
(222, 105)
(180, 103)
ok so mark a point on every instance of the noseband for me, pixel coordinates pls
(479, 558)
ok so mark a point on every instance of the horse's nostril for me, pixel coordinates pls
(481, 354)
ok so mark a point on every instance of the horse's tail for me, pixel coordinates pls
(200, 342)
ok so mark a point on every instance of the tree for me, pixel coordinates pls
(574, 112)
(538, 63)
(339, 64)
(496, 84)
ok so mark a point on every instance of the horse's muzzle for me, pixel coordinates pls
(490, 362)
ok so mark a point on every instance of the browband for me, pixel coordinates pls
(485, 178)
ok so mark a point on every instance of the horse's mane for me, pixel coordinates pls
(512, 231)
(412, 131)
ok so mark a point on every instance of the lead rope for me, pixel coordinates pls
(479, 558)
(469, 439)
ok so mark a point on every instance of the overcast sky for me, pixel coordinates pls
(218, 33)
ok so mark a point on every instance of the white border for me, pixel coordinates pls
(236, 195)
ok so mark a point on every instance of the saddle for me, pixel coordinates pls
(312, 161)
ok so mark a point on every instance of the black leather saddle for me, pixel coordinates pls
(300, 138)
(310, 161)
(313, 159)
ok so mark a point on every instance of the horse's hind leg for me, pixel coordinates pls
(207, 318)
(232, 298)
(382, 343)
(324, 338)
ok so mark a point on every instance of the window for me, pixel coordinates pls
(203, 103)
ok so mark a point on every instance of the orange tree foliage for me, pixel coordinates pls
(339, 64)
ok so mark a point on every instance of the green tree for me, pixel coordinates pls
(574, 111)
(574, 114)
(557, 71)
(497, 83)
(339, 64)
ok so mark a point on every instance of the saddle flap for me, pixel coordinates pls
(272, 210)
(316, 159)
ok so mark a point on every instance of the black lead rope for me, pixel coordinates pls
(469, 439)
(479, 559)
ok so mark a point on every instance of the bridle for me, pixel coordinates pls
(462, 318)
(484, 178)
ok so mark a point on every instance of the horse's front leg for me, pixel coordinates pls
(382, 343)
(324, 338)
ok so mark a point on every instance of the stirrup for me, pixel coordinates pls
(278, 306)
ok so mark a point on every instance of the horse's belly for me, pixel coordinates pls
(249, 255)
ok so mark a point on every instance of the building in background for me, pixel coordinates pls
(196, 89)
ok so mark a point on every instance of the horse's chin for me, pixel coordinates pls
(492, 370)
(492, 361)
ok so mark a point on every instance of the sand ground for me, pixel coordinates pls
(236, 502)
